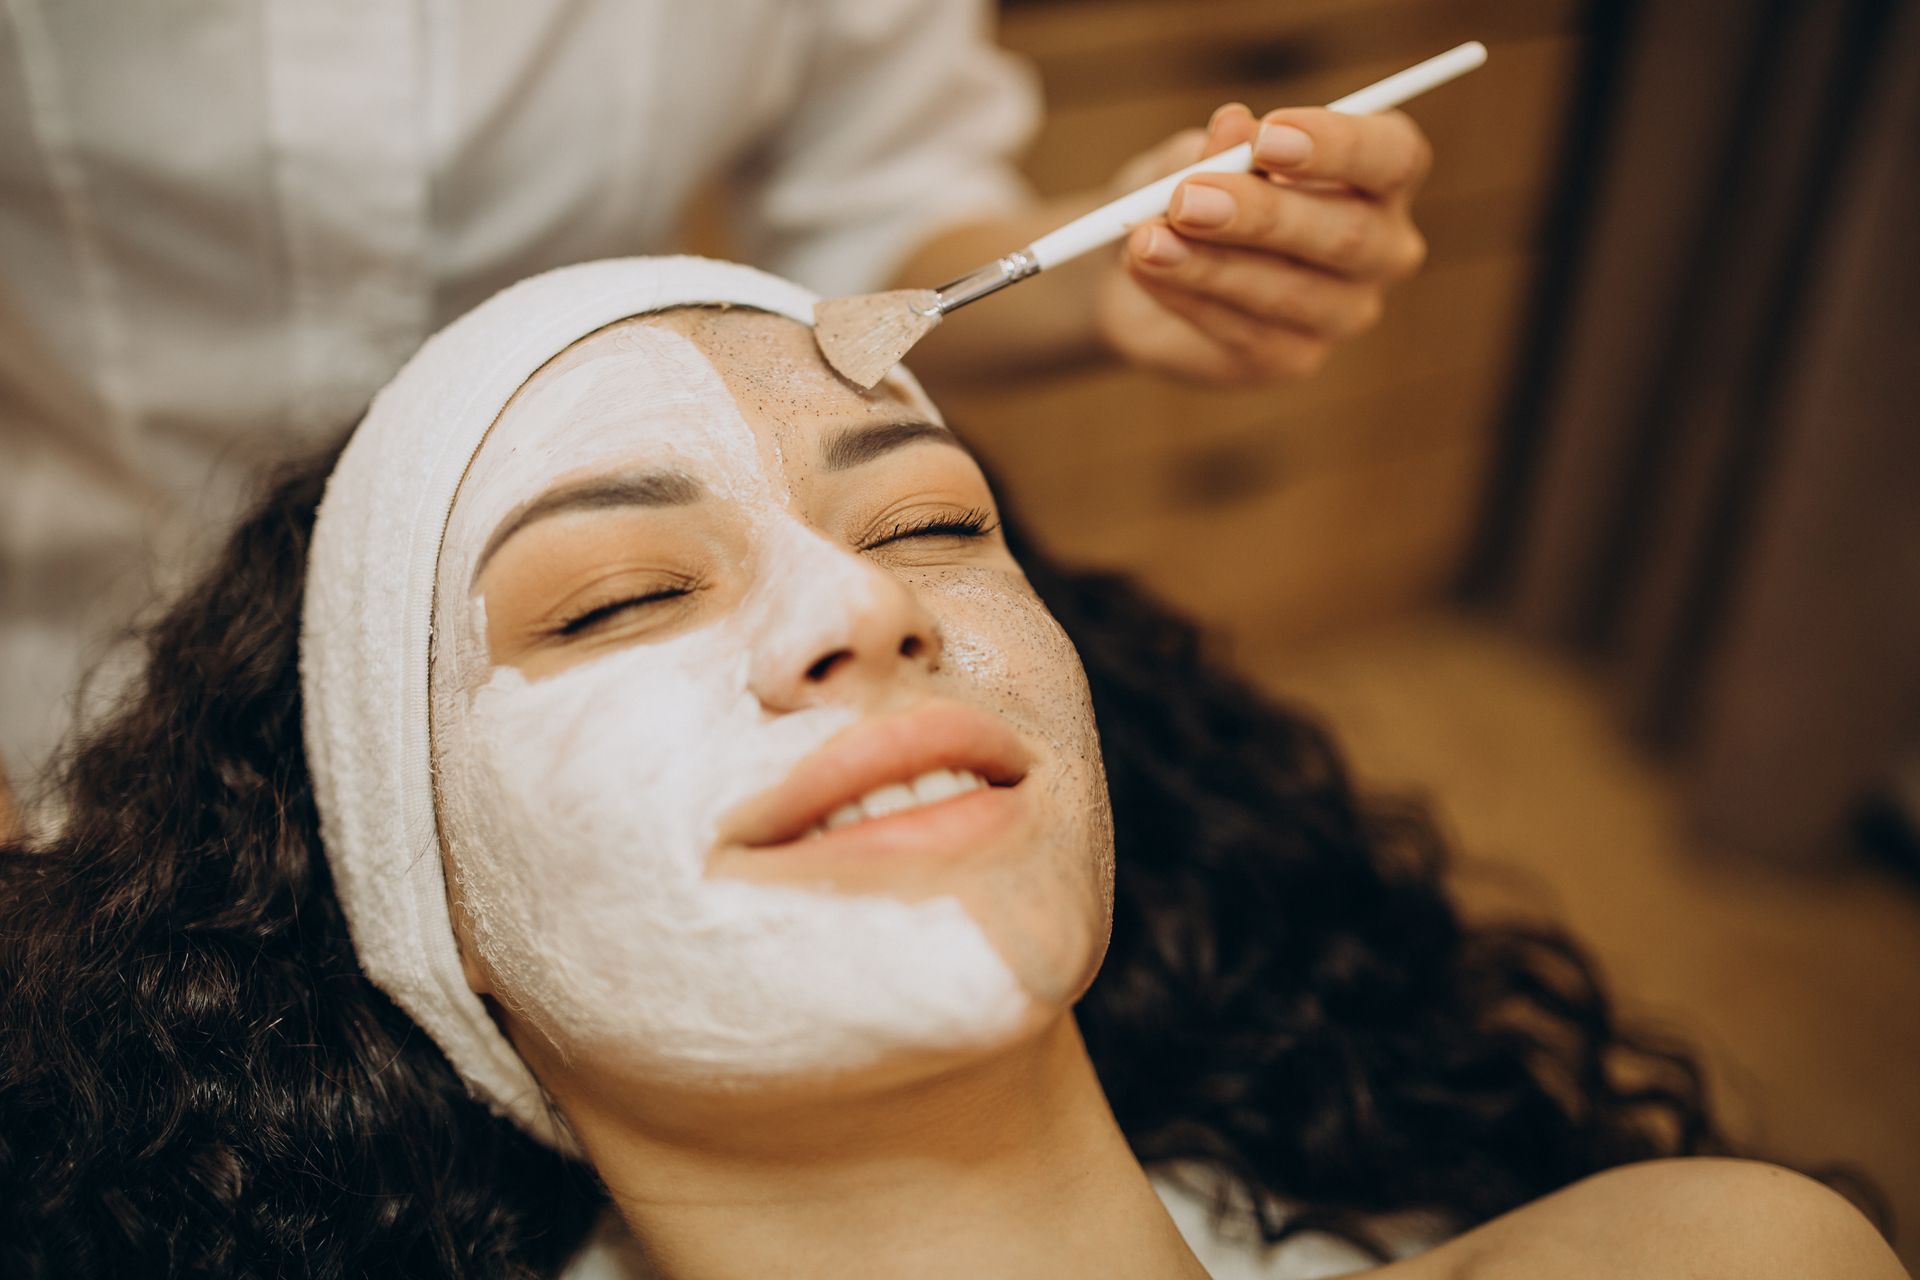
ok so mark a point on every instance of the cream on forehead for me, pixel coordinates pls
(646, 396)
(650, 398)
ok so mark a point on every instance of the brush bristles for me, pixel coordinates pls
(864, 336)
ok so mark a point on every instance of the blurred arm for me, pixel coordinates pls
(906, 125)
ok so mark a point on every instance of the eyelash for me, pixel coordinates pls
(974, 523)
(599, 613)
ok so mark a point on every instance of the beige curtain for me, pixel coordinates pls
(1712, 472)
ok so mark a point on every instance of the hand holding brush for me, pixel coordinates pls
(866, 335)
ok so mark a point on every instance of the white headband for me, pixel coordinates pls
(366, 628)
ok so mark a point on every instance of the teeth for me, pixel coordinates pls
(884, 800)
(929, 788)
(937, 785)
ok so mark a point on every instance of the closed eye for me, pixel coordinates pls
(600, 613)
(975, 523)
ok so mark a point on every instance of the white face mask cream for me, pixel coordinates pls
(579, 809)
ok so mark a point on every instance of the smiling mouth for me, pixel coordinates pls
(918, 771)
(931, 787)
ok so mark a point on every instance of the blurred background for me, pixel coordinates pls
(1609, 537)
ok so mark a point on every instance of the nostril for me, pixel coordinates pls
(821, 668)
(912, 646)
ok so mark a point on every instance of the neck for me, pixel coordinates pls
(1012, 1167)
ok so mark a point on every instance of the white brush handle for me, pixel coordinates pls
(1113, 220)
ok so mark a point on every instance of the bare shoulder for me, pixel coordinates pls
(1694, 1218)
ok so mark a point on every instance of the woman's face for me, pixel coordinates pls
(759, 760)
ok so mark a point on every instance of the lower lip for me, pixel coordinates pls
(947, 828)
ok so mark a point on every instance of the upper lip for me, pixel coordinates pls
(873, 753)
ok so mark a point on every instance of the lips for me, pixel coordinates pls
(880, 755)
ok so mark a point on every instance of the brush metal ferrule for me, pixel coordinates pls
(977, 284)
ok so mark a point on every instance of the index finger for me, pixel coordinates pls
(1383, 154)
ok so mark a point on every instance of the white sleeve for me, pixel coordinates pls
(908, 121)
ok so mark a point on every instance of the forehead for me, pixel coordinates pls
(775, 369)
(735, 396)
(769, 366)
(728, 391)
(724, 389)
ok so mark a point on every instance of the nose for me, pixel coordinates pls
(843, 630)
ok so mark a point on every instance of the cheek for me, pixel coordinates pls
(1049, 914)
(999, 638)
(560, 794)
(602, 761)
(565, 795)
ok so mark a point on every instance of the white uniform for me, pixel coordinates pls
(224, 225)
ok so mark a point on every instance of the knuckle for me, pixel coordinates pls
(1236, 332)
(1269, 216)
(1422, 156)
(1200, 284)
(1351, 232)
(1311, 356)
(1293, 355)
(1368, 308)
(1413, 255)
(1201, 272)
(1408, 256)
(1413, 156)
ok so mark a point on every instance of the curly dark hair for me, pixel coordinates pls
(198, 1080)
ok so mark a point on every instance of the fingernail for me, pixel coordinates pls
(1213, 120)
(1203, 207)
(1163, 248)
(1282, 145)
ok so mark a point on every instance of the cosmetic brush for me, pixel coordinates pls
(866, 335)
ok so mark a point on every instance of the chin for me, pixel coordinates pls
(1049, 915)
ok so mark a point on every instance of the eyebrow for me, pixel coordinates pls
(635, 489)
(845, 449)
(853, 446)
